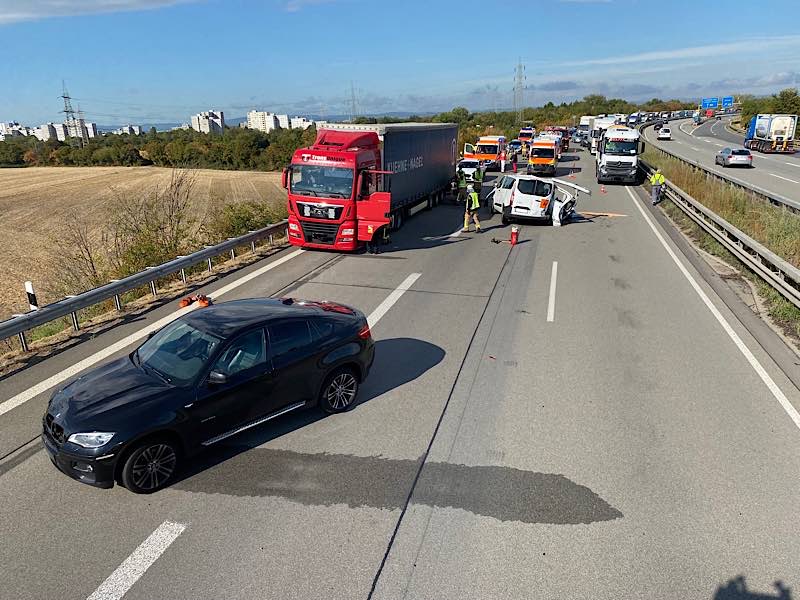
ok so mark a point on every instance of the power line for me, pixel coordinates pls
(74, 133)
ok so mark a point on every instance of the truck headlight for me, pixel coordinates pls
(294, 227)
(93, 439)
(348, 232)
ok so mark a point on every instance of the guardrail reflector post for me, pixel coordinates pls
(183, 276)
(75, 325)
(33, 303)
(117, 303)
(23, 342)
(270, 239)
(253, 246)
(153, 288)
(233, 254)
(209, 265)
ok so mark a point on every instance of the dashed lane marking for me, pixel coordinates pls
(133, 567)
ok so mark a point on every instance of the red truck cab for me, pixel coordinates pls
(333, 196)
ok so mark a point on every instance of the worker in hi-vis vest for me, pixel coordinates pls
(657, 181)
(471, 210)
(477, 181)
(461, 182)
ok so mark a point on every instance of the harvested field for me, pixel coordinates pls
(37, 203)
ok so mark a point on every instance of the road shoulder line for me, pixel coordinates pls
(777, 393)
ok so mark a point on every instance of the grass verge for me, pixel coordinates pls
(775, 227)
(782, 312)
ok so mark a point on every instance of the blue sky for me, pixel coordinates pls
(162, 60)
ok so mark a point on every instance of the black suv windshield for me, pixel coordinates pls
(324, 182)
(177, 353)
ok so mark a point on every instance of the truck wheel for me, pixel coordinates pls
(397, 220)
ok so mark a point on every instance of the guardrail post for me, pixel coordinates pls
(153, 288)
(270, 239)
(75, 325)
(210, 267)
(183, 276)
(23, 342)
(233, 254)
(253, 246)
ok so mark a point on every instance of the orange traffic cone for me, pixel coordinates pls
(514, 235)
(572, 174)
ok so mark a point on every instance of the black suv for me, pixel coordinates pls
(208, 375)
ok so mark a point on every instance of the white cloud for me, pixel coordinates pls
(727, 49)
(298, 5)
(13, 11)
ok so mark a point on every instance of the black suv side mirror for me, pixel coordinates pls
(217, 378)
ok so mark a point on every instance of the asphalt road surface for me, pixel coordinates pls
(578, 416)
(775, 173)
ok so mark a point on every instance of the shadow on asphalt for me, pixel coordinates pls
(397, 361)
(736, 589)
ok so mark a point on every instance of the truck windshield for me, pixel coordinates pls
(486, 149)
(542, 153)
(323, 182)
(620, 147)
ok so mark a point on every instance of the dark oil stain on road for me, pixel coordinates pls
(503, 493)
(620, 283)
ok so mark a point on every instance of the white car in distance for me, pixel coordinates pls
(664, 134)
(468, 166)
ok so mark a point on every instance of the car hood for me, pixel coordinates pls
(114, 388)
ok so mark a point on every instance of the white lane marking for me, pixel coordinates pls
(695, 149)
(551, 301)
(718, 144)
(784, 178)
(133, 567)
(762, 373)
(714, 125)
(793, 164)
(384, 306)
(89, 361)
(456, 233)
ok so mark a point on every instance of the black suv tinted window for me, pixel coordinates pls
(245, 352)
(287, 336)
(321, 330)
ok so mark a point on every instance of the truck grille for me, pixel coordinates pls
(319, 211)
(320, 233)
(54, 429)
(618, 167)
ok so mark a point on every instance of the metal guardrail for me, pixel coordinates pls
(778, 273)
(70, 306)
(754, 190)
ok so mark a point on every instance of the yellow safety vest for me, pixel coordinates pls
(462, 180)
(474, 201)
(657, 179)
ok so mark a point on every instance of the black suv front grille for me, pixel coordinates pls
(320, 233)
(55, 430)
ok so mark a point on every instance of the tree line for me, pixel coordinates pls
(247, 149)
(237, 149)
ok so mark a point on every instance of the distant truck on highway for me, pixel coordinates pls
(359, 181)
(526, 134)
(771, 133)
(599, 126)
(617, 156)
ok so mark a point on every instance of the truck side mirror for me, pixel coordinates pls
(285, 178)
(642, 146)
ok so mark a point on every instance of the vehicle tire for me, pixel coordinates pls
(150, 466)
(396, 220)
(339, 392)
(429, 202)
(505, 220)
